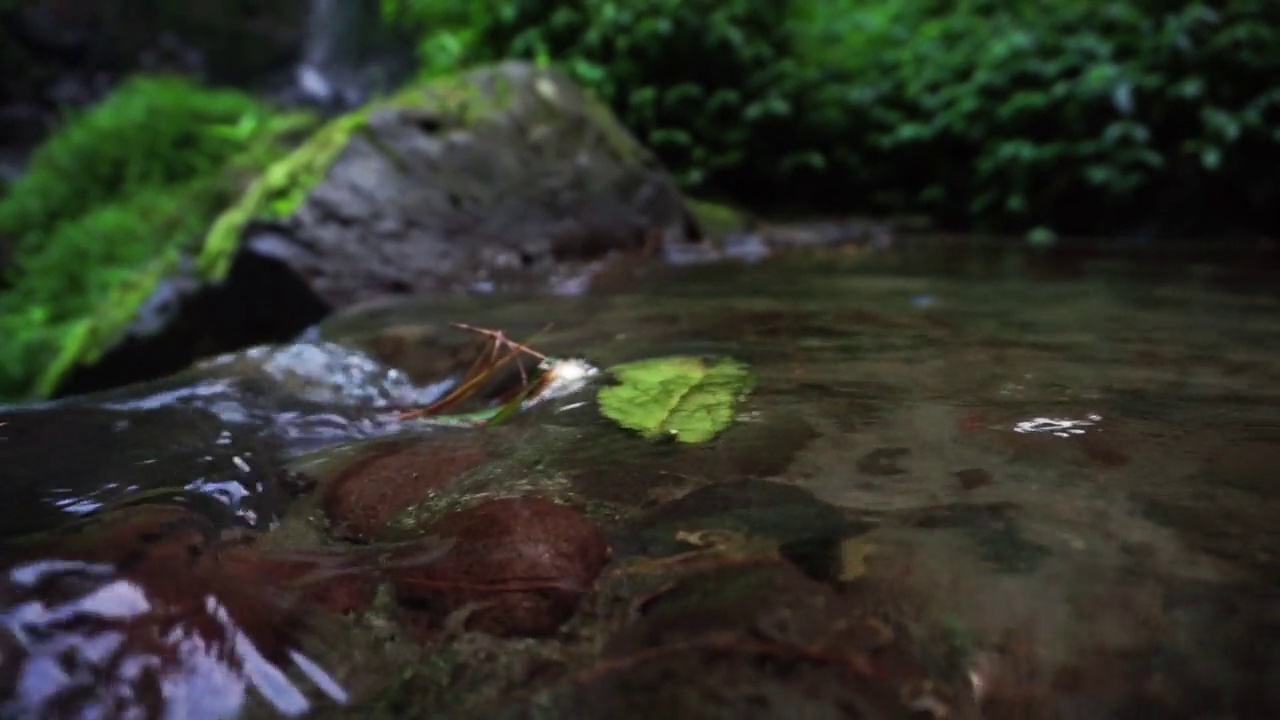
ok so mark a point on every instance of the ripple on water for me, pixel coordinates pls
(82, 639)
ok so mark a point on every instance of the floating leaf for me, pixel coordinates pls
(686, 398)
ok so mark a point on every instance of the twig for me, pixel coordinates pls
(482, 369)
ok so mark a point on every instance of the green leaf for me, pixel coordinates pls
(688, 399)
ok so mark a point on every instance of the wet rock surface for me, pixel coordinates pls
(509, 177)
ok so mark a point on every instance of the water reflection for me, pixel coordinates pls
(1061, 427)
(78, 639)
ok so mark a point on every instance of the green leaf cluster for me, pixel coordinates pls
(106, 208)
(1082, 115)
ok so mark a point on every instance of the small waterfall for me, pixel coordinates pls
(322, 33)
(347, 52)
(320, 53)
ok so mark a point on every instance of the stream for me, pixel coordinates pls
(967, 483)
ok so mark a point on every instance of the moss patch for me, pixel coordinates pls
(454, 101)
(716, 220)
(107, 207)
(277, 192)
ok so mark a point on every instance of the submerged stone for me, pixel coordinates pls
(760, 640)
(518, 567)
(139, 615)
(362, 501)
(804, 527)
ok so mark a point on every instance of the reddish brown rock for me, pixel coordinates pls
(174, 552)
(362, 500)
(517, 567)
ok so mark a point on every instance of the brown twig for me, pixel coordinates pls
(482, 369)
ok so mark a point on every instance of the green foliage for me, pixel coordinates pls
(687, 399)
(105, 209)
(700, 81)
(1021, 113)
(1081, 115)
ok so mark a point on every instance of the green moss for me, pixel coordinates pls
(277, 192)
(716, 220)
(107, 207)
(281, 189)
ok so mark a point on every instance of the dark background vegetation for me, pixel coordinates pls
(1084, 116)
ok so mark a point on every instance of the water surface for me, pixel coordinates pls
(1053, 477)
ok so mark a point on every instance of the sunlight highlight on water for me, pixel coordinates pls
(1061, 427)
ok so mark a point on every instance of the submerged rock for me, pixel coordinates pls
(363, 499)
(517, 567)
(801, 524)
(760, 640)
(138, 615)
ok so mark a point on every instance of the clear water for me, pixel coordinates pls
(1075, 461)
(1072, 463)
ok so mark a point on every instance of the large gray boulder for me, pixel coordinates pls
(506, 173)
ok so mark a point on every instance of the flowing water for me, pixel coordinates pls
(1056, 482)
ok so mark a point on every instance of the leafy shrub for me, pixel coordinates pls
(1086, 114)
(700, 81)
(106, 206)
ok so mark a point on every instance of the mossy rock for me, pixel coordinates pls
(502, 171)
(108, 207)
(505, 171)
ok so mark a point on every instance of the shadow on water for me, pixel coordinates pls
(969, 483)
